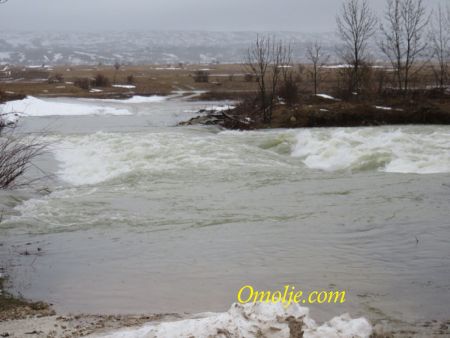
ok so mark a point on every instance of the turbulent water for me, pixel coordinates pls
(139, 215)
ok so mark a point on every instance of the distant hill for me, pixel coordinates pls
(165, 47)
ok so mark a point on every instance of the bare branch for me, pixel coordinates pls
(318, 60)
(16, 156)
(268, 59)
(404, 37)
(356, 26)
(440, 41)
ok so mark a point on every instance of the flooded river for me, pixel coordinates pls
(140, 215)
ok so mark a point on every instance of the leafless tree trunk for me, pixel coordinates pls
(356, 25)
(288, 89)
(318, 60)
(258, 60)
(404, 33)
(440, 40)
(117, 66)
(266, 59)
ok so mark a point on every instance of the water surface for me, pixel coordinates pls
(140, 215)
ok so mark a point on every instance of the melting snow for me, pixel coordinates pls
(251, 321)
(383, 108)
(124, 86)
(325, 96)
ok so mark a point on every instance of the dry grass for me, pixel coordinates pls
(225, 81)
(148, 80)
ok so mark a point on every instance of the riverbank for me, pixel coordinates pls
(228, 82)
(323, 110)
(13, 308)
(257, 320)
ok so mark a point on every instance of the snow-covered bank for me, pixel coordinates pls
(251, 321)
(33, 106)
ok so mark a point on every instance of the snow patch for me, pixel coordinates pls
(124, 86)
(251, 321)
(32, 106)
(383, 108)
(328, 97)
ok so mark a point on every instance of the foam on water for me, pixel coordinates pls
(252, 320)
(420, 150)
(95, 158)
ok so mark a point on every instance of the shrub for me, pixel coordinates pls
(201, 76)
(249, 77)
(57, 78)
(16, 154)
(102, 81)
(130, 79)
(289, 91)
(83, 83)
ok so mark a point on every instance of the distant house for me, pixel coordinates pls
(5, 73)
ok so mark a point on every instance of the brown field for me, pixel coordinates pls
(423, 104)
(149, 80)
(225, 80)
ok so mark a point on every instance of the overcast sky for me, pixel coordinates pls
(126, 15)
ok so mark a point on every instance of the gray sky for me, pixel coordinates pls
(123, 15)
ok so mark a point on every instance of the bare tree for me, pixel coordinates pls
(440, 40)
(266, 59)
(117, 66)
(257, 62)
(356, 26)
(404, 37)
(287, 89)
(16, 152)
(16, 155)
(318, 60)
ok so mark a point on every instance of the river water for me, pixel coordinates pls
(139, 215)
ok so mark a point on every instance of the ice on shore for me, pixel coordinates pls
(33, 106)
(251, 321)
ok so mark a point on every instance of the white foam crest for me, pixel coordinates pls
(91, 159)
(251, 320)
(420, 150)
(55, 210)
(32, 106)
